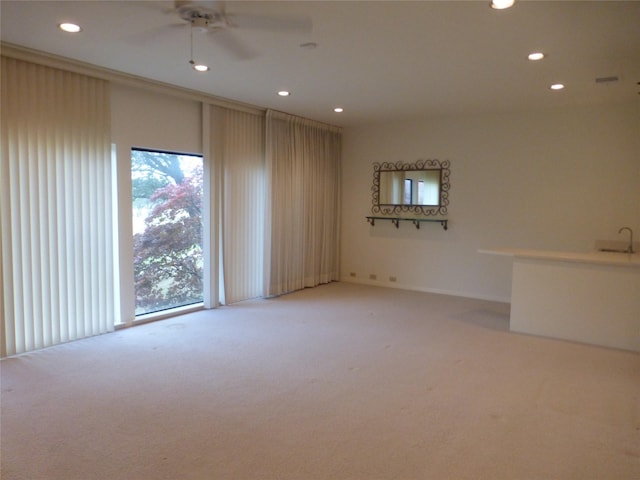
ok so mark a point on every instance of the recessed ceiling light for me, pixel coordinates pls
(200, 67)
(338, 109)
(69, 27)
(284, 93)
(501, 4)
(536, 56)
(557, 86)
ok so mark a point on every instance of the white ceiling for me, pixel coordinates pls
(380, 60)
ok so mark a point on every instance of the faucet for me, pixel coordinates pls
(630, 247)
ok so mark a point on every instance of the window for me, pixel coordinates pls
(420, 192)
(408, 191)
(167, 229)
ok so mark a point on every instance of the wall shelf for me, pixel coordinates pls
(416, 221)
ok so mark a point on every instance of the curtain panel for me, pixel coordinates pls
(302, 203)
(238, 148)
(55, 207)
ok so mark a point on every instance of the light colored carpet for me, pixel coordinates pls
(338, 382)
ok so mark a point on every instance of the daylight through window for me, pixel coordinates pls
(167, 229)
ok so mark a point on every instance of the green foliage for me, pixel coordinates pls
(145, 187)
(163, 166)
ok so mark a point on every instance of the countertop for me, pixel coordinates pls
(594, 257)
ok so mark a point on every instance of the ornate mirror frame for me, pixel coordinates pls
(394, 209)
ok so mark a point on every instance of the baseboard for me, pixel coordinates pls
(400, 286)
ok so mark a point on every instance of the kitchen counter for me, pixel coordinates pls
(595, 257)
(590, 297)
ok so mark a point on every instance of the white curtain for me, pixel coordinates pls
(238, 139)
(55, 207)
(303, 200)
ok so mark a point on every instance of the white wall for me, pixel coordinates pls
(144, 119)
(554, 179)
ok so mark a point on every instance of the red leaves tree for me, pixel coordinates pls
(168, 254)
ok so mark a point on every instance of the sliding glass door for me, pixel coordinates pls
(167, 229)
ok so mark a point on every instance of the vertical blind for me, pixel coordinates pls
(278, 202)
(55, 207)
(240, 152)
(303, 203)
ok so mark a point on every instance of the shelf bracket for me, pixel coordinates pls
(416, 221)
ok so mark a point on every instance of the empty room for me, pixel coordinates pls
(320, 240)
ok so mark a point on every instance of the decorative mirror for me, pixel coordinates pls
(421, 187)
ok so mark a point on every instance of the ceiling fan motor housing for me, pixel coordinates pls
(200, 24)
(201, 17)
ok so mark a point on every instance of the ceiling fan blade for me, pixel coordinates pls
(287, 23)
(217, 5)
(230, 42)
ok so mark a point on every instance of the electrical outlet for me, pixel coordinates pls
(392, 279)
(352, 274)
(373, 276)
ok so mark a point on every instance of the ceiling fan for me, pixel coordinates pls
(203, 16)
(211, 18)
